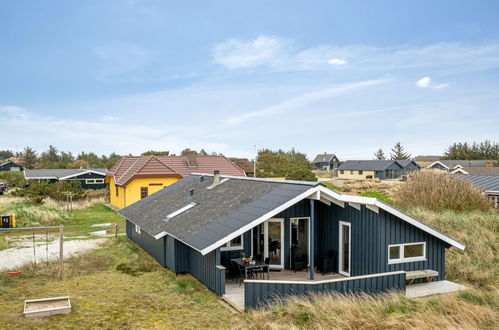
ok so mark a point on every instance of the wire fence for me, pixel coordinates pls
(35, 245)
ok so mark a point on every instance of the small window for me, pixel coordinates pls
(342, 172)
(94, 181)
(351, 172)
(117, 190)
(144, 192)
(399, 253)
(137, 229)
(235, 244)
(361, 172)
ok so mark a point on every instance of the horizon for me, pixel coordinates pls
(347, 78)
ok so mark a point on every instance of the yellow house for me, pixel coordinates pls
(136, 177)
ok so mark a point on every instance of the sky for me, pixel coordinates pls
(343, 77)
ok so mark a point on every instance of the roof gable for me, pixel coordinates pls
(324, 158)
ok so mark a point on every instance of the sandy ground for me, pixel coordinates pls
(15, 257)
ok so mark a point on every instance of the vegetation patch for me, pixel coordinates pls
(378, 195)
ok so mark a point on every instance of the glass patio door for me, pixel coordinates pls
(299, 237)
(345, 248)
(268, 240)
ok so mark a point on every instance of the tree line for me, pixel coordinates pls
(485, 150)
(54, 158)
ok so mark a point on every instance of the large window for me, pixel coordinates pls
(235, 244)
(398, 253)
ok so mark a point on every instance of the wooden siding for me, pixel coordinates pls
(261, 293)
(371, 235)
(155, 248)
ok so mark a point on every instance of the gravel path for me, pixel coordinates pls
(15, 257)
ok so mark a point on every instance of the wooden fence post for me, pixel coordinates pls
(61, 251)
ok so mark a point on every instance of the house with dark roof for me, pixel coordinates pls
(136, 177)
(370, 169)
(408, 166)
(450, 165)
(11, 166)
(204, 225)
(477, 170)
(488, 183)
(326, 162)
(245, 164)
(91, 178)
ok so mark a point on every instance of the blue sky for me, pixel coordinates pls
(346, 77)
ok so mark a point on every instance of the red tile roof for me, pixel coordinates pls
(130, 167)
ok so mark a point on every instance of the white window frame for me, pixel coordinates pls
(308, 238)
(137, 229)
(94, 181)
(401, 258)
(229, 247)
(340, 248)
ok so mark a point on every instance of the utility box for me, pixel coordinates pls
(8, 221)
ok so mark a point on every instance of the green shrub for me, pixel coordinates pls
(38, 190)
(13, 179)
(378, 195)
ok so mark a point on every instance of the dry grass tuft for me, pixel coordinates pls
(82, 204)
(465, 310)
(356, 187)
(434, 191)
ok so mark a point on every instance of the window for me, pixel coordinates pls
(144, 191)
(409, 252)
(137, 229)
(117, 190)
(361, 172)
(351, 172)
(94, 181)
(235, 244)
(342, 172)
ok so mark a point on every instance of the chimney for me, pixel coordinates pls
(216, 177)
(489, 164)
(191, 159)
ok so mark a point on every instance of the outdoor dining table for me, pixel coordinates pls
(250, 265)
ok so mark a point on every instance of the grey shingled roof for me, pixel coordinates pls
(323, 158)
(485, 182)
(58, 173)
(405, 162)
(219, 211)
(367, 165)
(465, 163)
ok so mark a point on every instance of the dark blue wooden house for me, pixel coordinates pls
(198, 224)
(92, 178)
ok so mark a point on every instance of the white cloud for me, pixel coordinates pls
(15, 112)
(110, 118)
(300, 101)
(279, 54)
(336, 61)
(235, 54)
(426, 82)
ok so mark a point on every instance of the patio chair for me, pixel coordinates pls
(298, 261)
(327, 263)
(263, 270)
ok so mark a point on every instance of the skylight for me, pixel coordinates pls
(180, 211)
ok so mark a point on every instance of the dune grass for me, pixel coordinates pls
(117, 286)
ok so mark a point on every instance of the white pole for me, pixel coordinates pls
(254, 162)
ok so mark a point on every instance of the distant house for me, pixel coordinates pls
(245, 164)
(450, 165)
(408, 166)
(326, 162)
(136, 177)
(477, 170)
(92, 178)
(488, 183)
(204, 223)
(11, 166)
(370, 169)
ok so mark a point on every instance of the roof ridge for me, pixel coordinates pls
(305, 183)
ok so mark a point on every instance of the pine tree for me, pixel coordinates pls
(29, 157)
(379, 155)
(398, 152)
